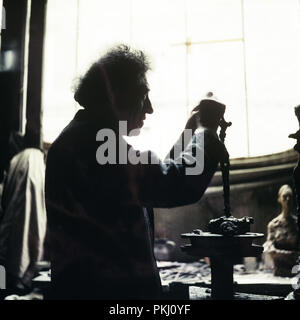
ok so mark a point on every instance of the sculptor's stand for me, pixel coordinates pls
(229, 238)
(223, 251)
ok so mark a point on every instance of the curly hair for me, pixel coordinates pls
(118, 70)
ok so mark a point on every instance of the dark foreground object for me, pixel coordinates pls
(223, 251)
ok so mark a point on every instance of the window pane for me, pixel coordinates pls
(59, 66)
(157, 23)
(102, 24)
(273, 67)
(219, 68)
(214, 20)
(78, 32)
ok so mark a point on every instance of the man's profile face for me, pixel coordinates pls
(140, 105)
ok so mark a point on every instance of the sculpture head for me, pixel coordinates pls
(211, 112)
(285, 195)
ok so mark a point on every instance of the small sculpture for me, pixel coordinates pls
(283, 239)
(230, 226)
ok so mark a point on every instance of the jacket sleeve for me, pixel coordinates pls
(179, 180)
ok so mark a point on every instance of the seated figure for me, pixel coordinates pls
(23, 220)
(283, 238)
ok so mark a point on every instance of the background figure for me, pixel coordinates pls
(283, 238)
(23, 221)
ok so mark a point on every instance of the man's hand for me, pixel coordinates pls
(193, 122)
(207, 114)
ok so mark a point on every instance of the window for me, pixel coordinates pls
(3, 16)
(246, 52)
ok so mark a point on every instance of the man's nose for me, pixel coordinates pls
(148, 106)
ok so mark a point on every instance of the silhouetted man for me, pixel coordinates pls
(96, 198)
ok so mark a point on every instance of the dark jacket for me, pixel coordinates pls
(98, 224)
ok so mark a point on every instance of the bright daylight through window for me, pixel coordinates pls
(245, 52)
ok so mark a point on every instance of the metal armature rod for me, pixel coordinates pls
(226, 188)
(225, 166)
